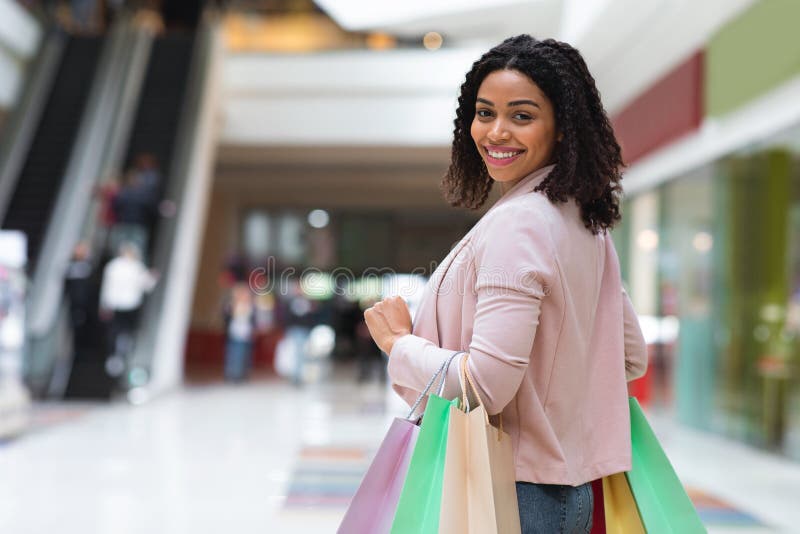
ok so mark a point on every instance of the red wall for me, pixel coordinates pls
(669, 109)
(206, 349)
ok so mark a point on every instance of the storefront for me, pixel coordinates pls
(712, 261)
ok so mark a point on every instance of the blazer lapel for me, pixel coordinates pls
(448, 261)
(525, 185)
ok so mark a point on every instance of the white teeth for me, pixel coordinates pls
(502, 155)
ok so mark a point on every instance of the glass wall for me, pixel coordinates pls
(712, 262)
(407, 241)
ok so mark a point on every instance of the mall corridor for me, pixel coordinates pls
(269, 457)
(207, 208)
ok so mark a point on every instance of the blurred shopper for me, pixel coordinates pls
(79, 290)
(126, 280)
(534, 292)
(106, 193)
(240, 326)
(299, 317)
(347, 314)
(134, 206)
(148, 175)
(85, 16)
(148, 16)
(368, 354)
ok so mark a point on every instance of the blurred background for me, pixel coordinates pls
(199, 199)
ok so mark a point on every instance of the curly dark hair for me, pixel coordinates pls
(588, 158)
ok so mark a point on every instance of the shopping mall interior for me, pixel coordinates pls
(199, 199)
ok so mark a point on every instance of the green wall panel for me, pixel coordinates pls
(755, 52)
(756, 230)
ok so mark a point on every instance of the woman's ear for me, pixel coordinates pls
(560, 137)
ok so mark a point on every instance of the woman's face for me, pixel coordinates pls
(514, 128)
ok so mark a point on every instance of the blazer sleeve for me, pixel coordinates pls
(514, 262)
(635, 346)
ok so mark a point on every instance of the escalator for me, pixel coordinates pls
(40, 179)
(159, 109)
(155, 131)
(90, 106)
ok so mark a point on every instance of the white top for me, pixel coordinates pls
(125, 281)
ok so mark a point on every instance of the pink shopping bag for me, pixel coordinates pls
(373, 506)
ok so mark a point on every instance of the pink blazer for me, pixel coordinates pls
(537, 301)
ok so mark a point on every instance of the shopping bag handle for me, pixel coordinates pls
(466, 376)
(442, 371)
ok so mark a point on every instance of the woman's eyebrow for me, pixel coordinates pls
(523, 102)
(512, 103)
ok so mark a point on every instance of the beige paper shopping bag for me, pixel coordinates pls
(479, 492)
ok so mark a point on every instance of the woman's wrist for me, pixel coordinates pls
(393, 341)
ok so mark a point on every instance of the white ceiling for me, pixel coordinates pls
(405, 98)
(628, 44)
(459, 20)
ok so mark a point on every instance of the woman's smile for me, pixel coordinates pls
(501, 156)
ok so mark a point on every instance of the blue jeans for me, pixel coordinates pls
(550, 509)
(238, 354)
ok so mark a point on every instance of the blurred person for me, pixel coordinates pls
(85, 16)
(148, 16)
(240, 326)
(347, 314)
(265, 311)
(236, 270)
(79, 292)
(133, 206)
(105, 193)
(298, 315)
(368, 354)
(126, 280)
(533, 291)
(148, 174)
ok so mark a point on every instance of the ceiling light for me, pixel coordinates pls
(432, 41)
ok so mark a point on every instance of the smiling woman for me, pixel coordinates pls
(533, 291)
(517, 135)
(540, 92)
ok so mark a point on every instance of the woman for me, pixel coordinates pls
(533, 291)
(240, 318)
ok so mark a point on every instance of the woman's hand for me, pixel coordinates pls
(388, 320)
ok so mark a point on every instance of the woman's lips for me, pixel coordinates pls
(502, 162)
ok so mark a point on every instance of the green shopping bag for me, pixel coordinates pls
(663, 504)
(421, 497)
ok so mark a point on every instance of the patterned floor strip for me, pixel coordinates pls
(326, 477)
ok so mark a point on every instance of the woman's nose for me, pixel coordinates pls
(498, 132)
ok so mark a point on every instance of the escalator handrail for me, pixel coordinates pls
(21, 126)
(66, 219)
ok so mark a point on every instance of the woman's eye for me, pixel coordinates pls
(484, 113)
(523, 116)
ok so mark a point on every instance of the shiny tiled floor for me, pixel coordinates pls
(226, 459)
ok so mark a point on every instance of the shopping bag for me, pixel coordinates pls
(285, 358)
(621, 514)
(373, 506)
(479, 492)
(663, 504)
(420, 500)
(599, 511)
